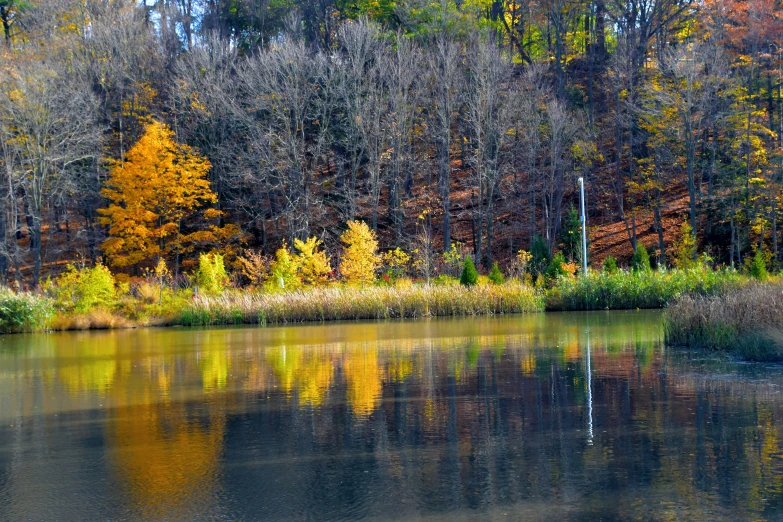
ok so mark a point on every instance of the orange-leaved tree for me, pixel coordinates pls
(160, 184)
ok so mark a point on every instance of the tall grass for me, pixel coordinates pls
(747, 320)
(347, 303)
(641, 289)
(24, 312)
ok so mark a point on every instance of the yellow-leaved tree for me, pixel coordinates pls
(159, 185)
(360, 259)
(314, 267)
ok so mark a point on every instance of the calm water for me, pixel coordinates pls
(574, 416)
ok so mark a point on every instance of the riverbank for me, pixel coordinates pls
(747, 321)
(150, 304)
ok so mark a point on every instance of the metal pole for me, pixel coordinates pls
(584, 225)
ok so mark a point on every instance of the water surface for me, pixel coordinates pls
(576, 416)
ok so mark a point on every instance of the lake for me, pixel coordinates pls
(576, 416)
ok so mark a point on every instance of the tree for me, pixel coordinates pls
(49, 135)
(314, 267)
(640, 262)
(571, 235)
(360, 258)
(685, 250)
(495, 275)
(159, 185)
(469, 275)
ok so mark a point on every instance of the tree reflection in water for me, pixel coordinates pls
(576, 415)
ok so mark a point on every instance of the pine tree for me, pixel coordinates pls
(469, 275)
(495, 275)
(640, 262)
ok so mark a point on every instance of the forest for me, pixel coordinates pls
(132, 133)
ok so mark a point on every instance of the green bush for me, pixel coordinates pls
(758, 266)
(640, 262)
(211, 276)
(540, 256)
(571, 235)
(81, 290)
(24, 312)
(556, 269)
(495, 275)
(469, 275)
(610, 265)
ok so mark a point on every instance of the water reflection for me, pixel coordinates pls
(574, 415)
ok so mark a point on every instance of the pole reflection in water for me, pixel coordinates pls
(589, 393)
(442, 419)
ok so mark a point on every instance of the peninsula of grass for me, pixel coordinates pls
(746, 321)
(627, 289)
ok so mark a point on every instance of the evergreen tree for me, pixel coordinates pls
(541, 256)
(495, 275)
(469, 273)
(640, 262)
(571, 235)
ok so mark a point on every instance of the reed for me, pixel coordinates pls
(748, 321)
(95, 319)
(351, 303)
(24, 312)
(641, 289)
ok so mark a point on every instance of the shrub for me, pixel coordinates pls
(520, 264)
(758, 266)
(211, 276)
(539, 256)
(685, 249)
(314, 266)
(360, 259)
(80, 290)
(395, 263)
(640, 262)
(284, 271)
(453, 259)
(610, 265)
(495, 275)
(557, 268)
(255, 267)
(24, 312)
(571, 235)
(469, 275)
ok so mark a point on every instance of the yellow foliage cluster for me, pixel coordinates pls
(360, 259)
(314, 266)
(159, 184)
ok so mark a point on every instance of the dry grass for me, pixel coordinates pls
(95, 319)
(350, 303)
(747, 320)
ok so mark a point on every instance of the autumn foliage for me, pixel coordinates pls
(160, 184)
(360, 259)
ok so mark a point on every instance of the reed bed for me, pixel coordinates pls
(351, 303)
(24, 311)
(747, 320)
(643, 289)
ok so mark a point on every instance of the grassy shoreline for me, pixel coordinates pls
(151, 305)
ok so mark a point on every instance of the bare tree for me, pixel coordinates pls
(48, 120)
(488, 117)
